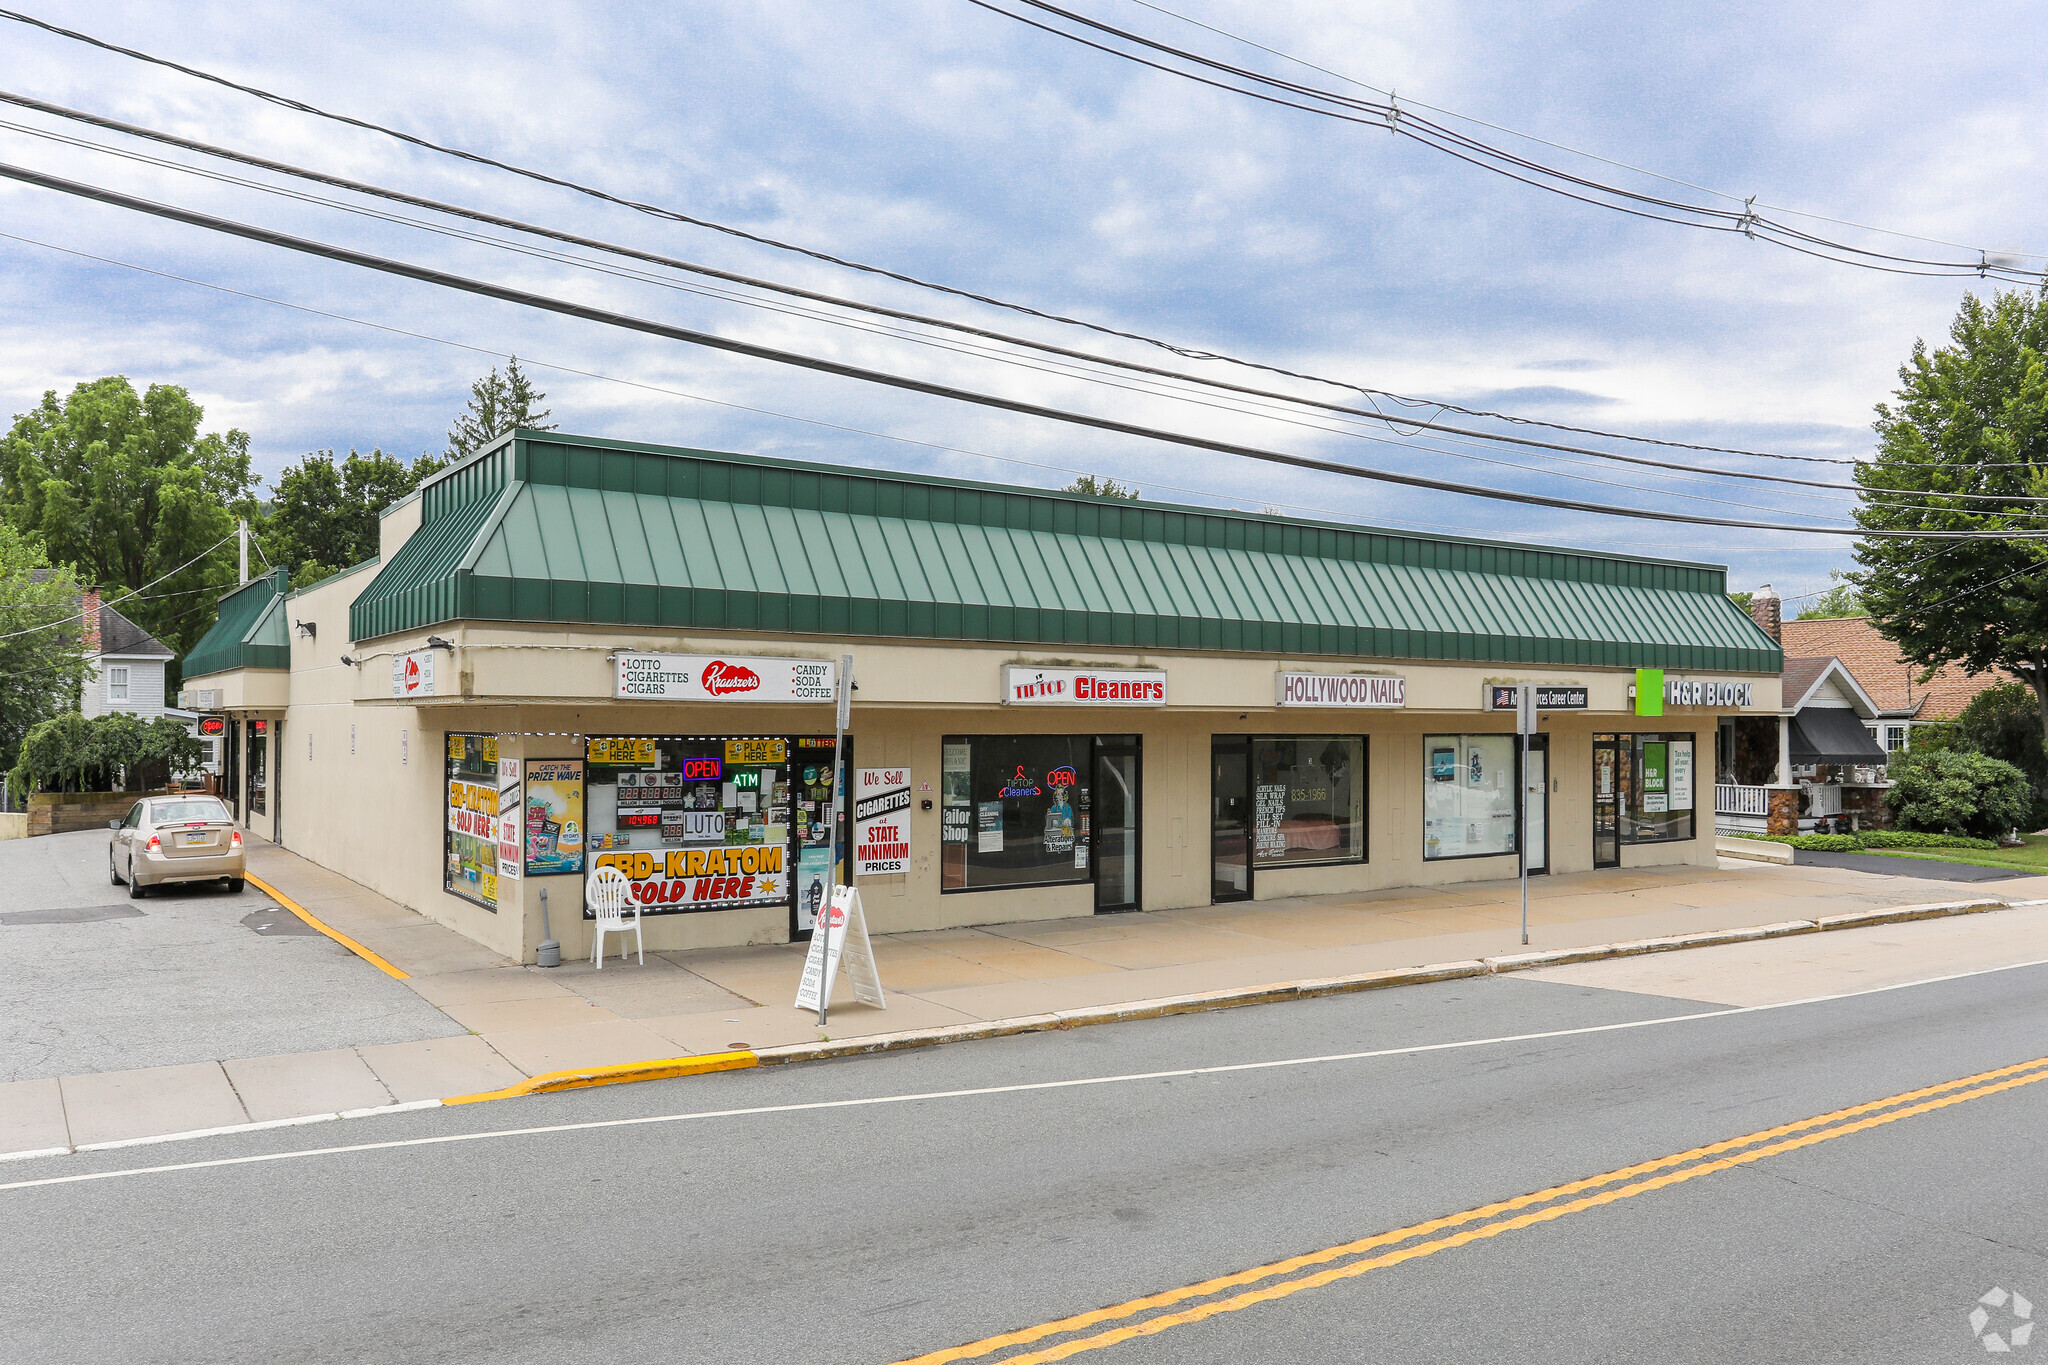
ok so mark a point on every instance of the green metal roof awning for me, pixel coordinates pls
(554, 529)
(251, 631)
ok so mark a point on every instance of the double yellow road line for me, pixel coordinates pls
(1155, 1313)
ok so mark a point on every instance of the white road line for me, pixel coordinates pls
(1020, 1088)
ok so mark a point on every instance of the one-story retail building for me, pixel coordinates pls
(573, 653)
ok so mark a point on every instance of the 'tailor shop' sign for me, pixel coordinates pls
(722, 677)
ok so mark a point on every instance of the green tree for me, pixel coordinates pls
(1091, 486)
(42, 663)
(324, 513)
(2001, 722)
(125, 489)
(497, 404)
(1742, 601)
(1943, 791)
(1840, 600)
(1970, 417)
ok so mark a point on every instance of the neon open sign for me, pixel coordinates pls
(703, 769)
(1060, 777)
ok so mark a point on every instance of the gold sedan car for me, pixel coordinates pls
(174, 839)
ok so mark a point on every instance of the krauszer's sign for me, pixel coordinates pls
(1083, 686)
(721, 677)
(1338, 689)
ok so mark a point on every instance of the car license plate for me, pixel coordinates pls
(191, 840)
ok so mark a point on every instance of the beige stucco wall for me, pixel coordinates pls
(368, 802)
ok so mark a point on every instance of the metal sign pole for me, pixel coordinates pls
(1525, 721)
(823, 923)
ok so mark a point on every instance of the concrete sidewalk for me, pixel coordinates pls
(523, 1021)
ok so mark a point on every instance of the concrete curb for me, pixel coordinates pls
(1346, 985)
(1754, 850)
(669, 1067)
(581, 1078)
(343, 939)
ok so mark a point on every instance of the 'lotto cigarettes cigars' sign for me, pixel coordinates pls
(1337, 689)
(1083, 686)
(722, 677)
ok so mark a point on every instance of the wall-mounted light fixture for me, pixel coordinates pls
(436, 642)
(308, 628)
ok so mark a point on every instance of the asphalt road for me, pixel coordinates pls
(875, 1231)
(93, 981)
(1928, 869)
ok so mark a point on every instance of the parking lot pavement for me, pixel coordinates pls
(91, 981)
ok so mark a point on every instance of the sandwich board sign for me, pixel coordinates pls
(845, 939)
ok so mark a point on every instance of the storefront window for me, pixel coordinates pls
(709, 823)
(1308, 800)
(1016, 810)
(1658, 783)
(470, 819)
(1468, 796)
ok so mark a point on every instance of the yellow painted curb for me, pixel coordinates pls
(343, 939)
(549, 1081)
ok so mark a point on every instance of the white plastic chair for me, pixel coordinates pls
(611, 897)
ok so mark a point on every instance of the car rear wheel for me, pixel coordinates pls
(135, 888)
(234, 886)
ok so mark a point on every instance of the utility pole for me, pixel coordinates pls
(242, 536)
(1525, 725)
(821, 927)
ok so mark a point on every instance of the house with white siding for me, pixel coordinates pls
(125, 667)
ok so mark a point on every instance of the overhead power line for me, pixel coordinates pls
(1319, 512)
(635, 253)
(1404, 121)
(777, 355)
(1562, 147)
(1459, 435)
(676, 216)
(134, 595)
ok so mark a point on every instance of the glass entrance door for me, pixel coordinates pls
(1536, 791)
(1606, 801)
(1111, 821)
(1230, 823)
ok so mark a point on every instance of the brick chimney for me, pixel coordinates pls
(1768, 612)
(89, 619)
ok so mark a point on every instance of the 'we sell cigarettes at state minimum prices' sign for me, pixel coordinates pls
(722, 677)
(881, 821)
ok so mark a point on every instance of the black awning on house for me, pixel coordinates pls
(1831, 734)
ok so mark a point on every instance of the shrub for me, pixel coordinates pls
(1958, 793)
(1906, 838)
(1823, 843)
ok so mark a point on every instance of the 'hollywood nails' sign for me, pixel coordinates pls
(1339, 689)
(722, 677)
(1084, 686)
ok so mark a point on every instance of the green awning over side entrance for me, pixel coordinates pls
(251, 631)
(553, 529)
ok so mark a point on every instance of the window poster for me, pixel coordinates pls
(989, 827)
(470, 819)
(1681, 774)
(1469, 804)
(695, 823)
(1656, 777)
(1269, 808)
(554, 816)
(814, 870)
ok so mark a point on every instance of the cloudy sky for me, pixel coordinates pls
(935, 138)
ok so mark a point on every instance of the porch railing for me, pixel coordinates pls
(1730, 799)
